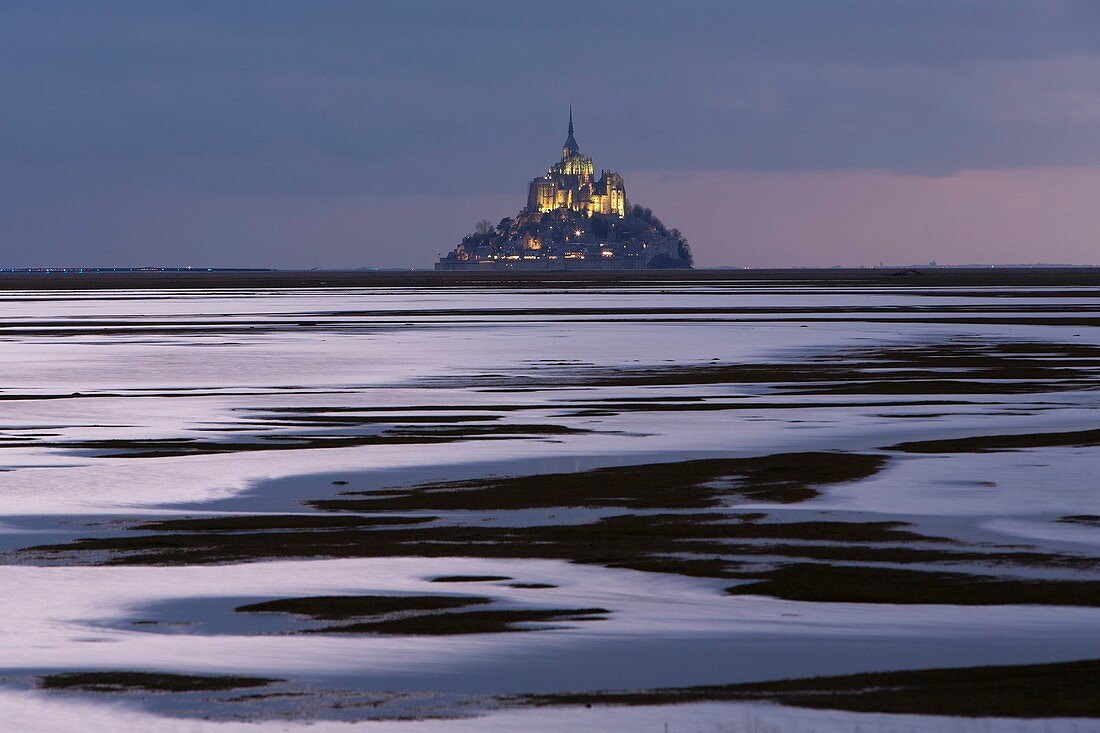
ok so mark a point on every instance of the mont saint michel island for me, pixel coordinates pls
(573, 221)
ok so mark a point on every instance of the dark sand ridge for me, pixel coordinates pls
(833, 277)
(685, 484)
(1090, 520)
(434, 615)
(178, 393)
(993, 443)
(716, 543)
(168, 447)
(148, 681)
(1059, 690)
(468, 578)
(468, 622)
(857, 584)
(340, 421)
(1062, 690)
(266, 522)
(343, 608)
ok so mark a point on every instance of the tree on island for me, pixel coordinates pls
(638, 234)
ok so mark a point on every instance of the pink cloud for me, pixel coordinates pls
(866, 217)
(819, 218)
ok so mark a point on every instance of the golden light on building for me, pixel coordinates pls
(571, 184)
(572, 220)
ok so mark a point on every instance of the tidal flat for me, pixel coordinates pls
(719, 503)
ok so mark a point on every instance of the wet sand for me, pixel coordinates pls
(720, 525)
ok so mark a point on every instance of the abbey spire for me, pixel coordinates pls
(570, 147)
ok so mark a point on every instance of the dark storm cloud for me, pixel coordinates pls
(331, 99)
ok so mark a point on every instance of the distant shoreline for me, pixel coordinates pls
(830, 277)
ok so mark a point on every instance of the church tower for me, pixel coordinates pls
(570, 184)
(570, 148)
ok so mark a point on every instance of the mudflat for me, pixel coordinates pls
(480, 494)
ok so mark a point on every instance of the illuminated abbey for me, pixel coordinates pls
(570, 184)
(572, 221)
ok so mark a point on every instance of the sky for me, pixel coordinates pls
(337, 134)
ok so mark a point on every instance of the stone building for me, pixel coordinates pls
(571, 184)
(572, 221)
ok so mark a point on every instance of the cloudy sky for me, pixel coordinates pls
(325, 133)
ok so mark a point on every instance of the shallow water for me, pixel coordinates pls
(235, 395)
